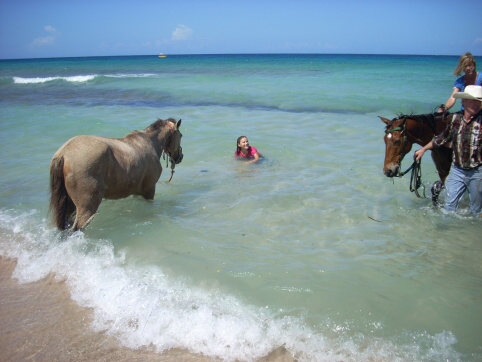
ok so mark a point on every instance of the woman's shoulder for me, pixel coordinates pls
(478, 81)
(460, 83)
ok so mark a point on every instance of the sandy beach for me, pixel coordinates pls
(41, 323)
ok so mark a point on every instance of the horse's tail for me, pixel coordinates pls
(59, 198)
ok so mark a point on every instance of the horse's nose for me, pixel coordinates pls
(391, 169)
(391, 172)
(179, 159)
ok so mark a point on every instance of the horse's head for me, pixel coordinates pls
(397, 145)
(173, 145)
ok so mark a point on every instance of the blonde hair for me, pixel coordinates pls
(464, 61)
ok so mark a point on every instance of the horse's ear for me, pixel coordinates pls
(178, 124)
(384, 120)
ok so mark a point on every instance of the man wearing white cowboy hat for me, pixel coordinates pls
(464, 133)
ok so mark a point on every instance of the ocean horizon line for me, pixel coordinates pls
(234, 54)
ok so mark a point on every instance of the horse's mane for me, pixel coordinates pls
(155, 127)
(428, 119)
(159, 124)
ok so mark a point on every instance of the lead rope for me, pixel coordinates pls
(173, 165)
(172, 171)
(416, 179)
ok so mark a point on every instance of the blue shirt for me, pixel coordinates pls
(460, 83)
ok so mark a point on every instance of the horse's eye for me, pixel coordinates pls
(397, 143)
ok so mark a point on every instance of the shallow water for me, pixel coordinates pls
(312, 248)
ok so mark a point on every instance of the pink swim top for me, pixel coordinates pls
(251, 152)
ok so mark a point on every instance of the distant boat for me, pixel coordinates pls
(162, 55)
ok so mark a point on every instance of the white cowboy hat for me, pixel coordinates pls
(470, 92)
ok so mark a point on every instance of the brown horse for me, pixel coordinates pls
(402, 132)
(87, 169)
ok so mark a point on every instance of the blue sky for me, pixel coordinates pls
(71, 28)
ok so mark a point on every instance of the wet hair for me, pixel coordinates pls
(237, 143)
(464, 61)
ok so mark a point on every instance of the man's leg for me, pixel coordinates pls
(455, 186)
(475, 191)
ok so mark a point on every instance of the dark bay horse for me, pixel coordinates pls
(87, 169)
(402, 132)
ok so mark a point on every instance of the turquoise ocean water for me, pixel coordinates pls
(313, 248)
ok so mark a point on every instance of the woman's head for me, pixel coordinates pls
(466, 61)
(239, 140)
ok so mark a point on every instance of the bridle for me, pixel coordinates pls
(169, 158)
(400, 129)
(416, 167)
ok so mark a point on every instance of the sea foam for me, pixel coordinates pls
(74, 79)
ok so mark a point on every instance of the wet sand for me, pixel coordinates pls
(40, 322)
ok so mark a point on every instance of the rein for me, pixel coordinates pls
(172, 172)
(173, 165)
(415, 178)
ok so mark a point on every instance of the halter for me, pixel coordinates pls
(173, 164)
(400, 129)
(416, 167)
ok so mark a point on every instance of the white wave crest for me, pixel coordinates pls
(75, 79)
(122, 75)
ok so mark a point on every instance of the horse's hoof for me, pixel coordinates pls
(436, 190)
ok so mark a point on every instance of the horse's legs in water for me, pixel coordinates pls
(69, 211)
(436, 190)
(442, 157)
(86, 207)
(79, 223)
(149, 189)
(149, 194)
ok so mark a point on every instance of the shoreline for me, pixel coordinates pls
(39, 321)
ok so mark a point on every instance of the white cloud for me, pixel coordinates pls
(46, 40)
(182, 32)
(50, 29)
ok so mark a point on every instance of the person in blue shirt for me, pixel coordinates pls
(466, 65)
